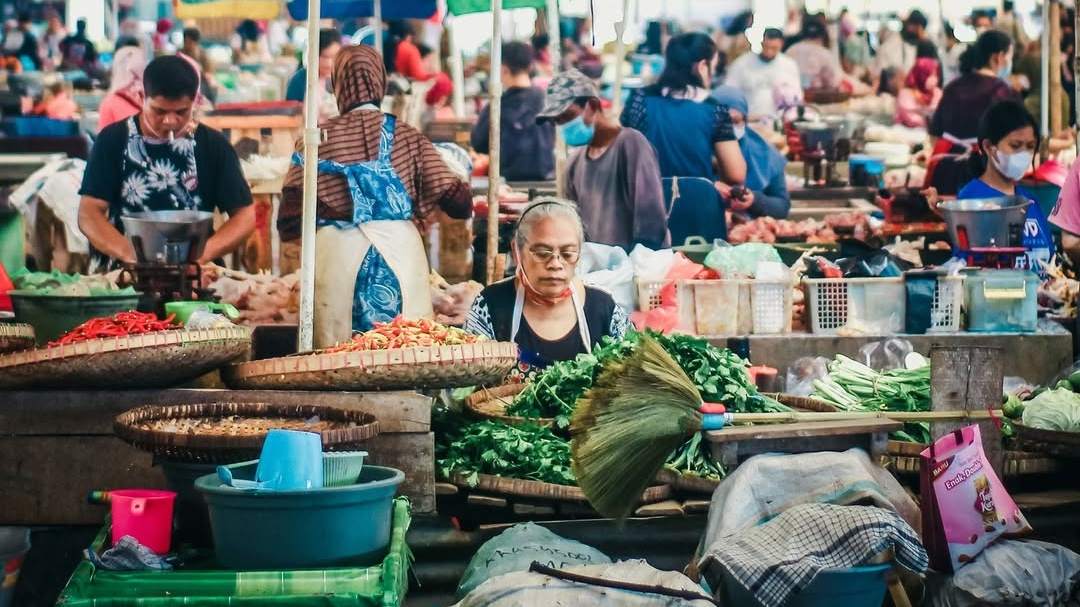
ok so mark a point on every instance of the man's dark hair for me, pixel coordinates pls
(328, 37)
(772, 33)
(193, 34)
(916, 17)
(540, 42)
(813, 30)
(926, 49)
(126, 41)
(80, 25)
(1007, 6)
(170, 77)
(517, 57)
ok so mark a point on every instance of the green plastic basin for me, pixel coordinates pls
(326, 527)
(54, 315)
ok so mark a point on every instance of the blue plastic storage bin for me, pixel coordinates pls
(856, 587)
(1002, 301)
(325, 527)
(39, 126)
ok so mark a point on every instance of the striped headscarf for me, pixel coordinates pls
(358, 77)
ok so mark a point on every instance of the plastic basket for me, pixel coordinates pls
(945, 311)
(382, 585)
(868, 306)
(1002, 301)
(724, 307)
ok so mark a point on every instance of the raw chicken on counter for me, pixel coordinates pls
(1059, 293)
(261, 298)
(452, 302)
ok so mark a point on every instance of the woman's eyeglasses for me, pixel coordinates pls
(546, 254)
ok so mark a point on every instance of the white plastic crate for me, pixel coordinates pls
(726, 306)
(945, 311)
(866, 306)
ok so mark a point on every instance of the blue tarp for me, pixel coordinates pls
(349, 9)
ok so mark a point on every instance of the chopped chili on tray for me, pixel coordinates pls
(401, 333)
(120, 325)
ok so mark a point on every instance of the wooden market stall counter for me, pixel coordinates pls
(1036, 357)
(56, 446)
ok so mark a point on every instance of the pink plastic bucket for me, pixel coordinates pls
(144, 514)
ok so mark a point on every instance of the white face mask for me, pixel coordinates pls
(1013, 166)
(740, 131)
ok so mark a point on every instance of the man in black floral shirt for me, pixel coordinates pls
(159, 160)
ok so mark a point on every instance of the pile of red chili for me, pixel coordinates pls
(120, 325)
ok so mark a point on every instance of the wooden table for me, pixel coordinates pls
(56, 446)
(731, 446)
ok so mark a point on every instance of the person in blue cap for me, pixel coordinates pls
(764, 164)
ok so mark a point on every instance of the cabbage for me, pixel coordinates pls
(1054, 410)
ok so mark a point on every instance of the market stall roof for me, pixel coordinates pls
(211, 9)
(345, 9)
(464, 7)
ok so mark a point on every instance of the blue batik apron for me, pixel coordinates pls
(379, 248)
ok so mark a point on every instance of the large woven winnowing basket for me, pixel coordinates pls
(482, 363)
(233, 440)
(15, 336)
(150, 360)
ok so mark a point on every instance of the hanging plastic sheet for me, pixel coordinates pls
(349, 9)
(210, 9)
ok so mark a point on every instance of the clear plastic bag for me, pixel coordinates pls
(801, 374)
(740, 261)
(1012, 573)
(886, 354)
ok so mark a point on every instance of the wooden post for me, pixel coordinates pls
(555, 50)
(495, 112)
(1044, 97)
(457, 69)
(306, 330)
(1056, 119)
(965, 379)
(620, 59)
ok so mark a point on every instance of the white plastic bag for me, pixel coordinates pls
(651, 265)
(610, 269)
(1012, 573)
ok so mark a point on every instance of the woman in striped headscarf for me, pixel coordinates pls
(378, 179)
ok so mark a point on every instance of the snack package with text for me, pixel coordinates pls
(964, 505)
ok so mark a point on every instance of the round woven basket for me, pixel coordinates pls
(1053, 442)
(804, 403)
(547, 491)
(491, 403)
(150, 360)
(15, 337)
(481, 363)
(340, 428)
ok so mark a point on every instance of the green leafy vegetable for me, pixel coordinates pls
(719, 375)
(853, 386)
(527, 452)
(1054, 410)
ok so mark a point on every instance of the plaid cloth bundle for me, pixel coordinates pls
(779, 558)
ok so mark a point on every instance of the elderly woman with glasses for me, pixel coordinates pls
(544, 308)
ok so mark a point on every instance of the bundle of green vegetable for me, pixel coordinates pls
(853, 386)
(527, 452)
(718, 373)
(1057, 409)
(694, 459)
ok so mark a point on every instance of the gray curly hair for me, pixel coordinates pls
(545, 207)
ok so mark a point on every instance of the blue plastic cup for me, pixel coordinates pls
(290, 461)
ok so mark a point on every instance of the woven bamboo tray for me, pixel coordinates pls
(15, 336)
(546, 491)
(350, 427)
(1052, 442)
(150, 360)
(686, 483)
(399, 369)
(491, 403)
(904, 458)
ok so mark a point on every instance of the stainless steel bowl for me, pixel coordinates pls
(168, 236)
(986, 222)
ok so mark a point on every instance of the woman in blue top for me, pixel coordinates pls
(678, 117)
(764, 165)
(1006, 148)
